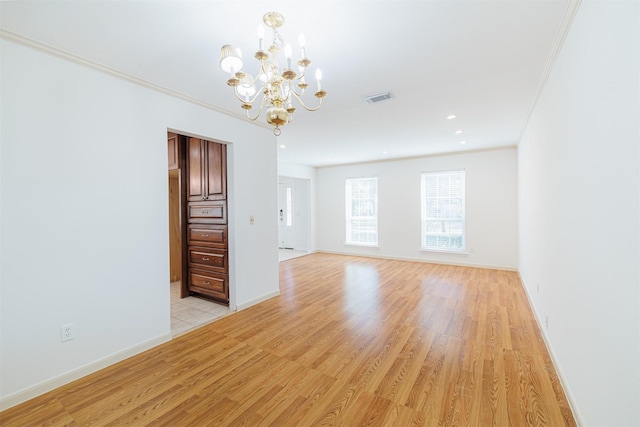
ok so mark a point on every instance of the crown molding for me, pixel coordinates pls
(45, 48)
(554, 51)
(419, 156)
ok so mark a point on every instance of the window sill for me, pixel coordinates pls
(360, 245)
(444, 251)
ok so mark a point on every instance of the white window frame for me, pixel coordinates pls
(448, 214)
(367, 221)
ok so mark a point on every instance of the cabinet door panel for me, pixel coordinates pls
(172, 142)
(175, 233)
(195, 164)
(216, 171)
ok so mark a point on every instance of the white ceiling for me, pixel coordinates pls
(483, 61)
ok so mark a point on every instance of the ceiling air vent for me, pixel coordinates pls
(378, 97)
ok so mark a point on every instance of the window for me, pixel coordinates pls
(289, 208)
(362, 211)
(442, 206)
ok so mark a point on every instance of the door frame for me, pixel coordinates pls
(301, 211)
(182, 167)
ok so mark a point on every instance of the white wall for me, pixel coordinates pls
(491, 208)
(84, 219)
(307, 174)
(579, 213)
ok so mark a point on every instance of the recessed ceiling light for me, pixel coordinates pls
(458, 132)
(463, 142)
(384, 152)
(451, 117)
(283, 146)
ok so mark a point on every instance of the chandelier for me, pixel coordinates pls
(278, 87)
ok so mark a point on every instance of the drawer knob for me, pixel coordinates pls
(207, 283)
(205, 235)
(205, 259)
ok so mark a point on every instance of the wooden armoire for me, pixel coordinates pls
(203, 173)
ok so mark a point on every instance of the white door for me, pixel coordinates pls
(286, 223)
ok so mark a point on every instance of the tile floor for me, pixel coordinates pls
(191, 312)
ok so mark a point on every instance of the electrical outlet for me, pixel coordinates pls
(66, 332)
(546, 322)
(252, 219)
(538, 288)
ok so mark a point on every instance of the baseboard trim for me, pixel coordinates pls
(424, 260)
(75, 374)
(258, 300)
(565, 385)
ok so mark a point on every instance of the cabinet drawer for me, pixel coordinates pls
(215, 259)
(207, 235)
(207, 212)
(209, 284)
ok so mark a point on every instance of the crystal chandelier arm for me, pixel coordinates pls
(253, 119)
(293, 90)
(303, 71)
(304, 105)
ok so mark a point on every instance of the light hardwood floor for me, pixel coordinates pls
(351, 341)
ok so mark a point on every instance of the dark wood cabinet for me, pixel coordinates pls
(206, 220)
(175, 234)
(207, 170)
(175, 197)
(172, 142)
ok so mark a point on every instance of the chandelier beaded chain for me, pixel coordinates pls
(278, 87)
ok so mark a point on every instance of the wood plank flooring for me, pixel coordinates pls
(351, 341)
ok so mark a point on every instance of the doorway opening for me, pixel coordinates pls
(294, 217)
(187, 311)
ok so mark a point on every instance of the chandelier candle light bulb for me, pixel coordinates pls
(301, 42)
(287, 54)
(276, 86)
(260, 36)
